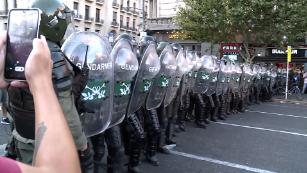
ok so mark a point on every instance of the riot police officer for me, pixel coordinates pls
(55, 19)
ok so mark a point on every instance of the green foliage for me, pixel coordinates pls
(249, 21)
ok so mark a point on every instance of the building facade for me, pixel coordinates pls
(107, 17)
(5, 6)
(161, 25)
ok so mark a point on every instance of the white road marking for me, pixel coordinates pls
(263, 129)
(285, 106)
(278, 114)
(220, 162)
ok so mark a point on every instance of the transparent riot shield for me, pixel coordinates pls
(125, 68)
(203, 77)
(149, 68)
(89, 51)
(163, 79)
(175, 83)
(221, 79)
(213, 78)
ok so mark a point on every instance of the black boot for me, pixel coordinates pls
(133, 166)
(199, 117)
(99, 151)
(151, 152)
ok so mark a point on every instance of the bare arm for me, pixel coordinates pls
(55, 151)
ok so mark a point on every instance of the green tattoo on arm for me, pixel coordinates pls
(41, 130)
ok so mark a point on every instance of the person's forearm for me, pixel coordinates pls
(52, 134)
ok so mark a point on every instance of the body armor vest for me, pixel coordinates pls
(21, 104)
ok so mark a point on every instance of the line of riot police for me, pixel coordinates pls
(130, 97)
(145, 91)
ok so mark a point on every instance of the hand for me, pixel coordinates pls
(3, 83)
(38, 69)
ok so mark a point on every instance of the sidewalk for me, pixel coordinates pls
(291, 99)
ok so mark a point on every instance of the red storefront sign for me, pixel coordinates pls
(231, 47)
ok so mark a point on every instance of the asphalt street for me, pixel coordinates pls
(268, 138)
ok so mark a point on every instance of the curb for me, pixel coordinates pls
(290, 101)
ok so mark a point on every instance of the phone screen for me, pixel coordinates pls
(23, 27)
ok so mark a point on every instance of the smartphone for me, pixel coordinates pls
(23, 27)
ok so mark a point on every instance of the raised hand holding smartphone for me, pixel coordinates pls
(23, 28)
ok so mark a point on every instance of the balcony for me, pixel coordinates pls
(99, 22)
(115, 5)
(134, 12)
(130, 29)
(128, 10)
(89, 0)
(123, 27)
(99, 2)
(156, 24)
(3, 13)
(88, 20)
(78, 17)
(114, 24)
(122, 8)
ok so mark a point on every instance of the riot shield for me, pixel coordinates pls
(125, 68)
(149, 68)
(221, 79)
(175, 83)
(185, 79)
(202, 80)
(213, 77)
(162, 79)
(88, 50)
(227, 72)
(192, 65)
(237, 78)
(244, 78)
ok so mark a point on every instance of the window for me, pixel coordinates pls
(121, 20)
(87, 12)
(114, 16)
(128, 4)
(134, 6)
(97, 30)
(86, 29)
(76, 8)
(127, 22)
(121, 3)
(133, 24)
(97, 15)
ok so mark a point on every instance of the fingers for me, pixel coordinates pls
(43, 38)
(3, 38)
(19, 84)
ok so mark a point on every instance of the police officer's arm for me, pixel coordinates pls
(55, 150)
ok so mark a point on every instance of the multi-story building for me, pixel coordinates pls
(161, 25)
(5, 6)
(107, 17)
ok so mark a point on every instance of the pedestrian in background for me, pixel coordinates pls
(3, 100)
(305, 82)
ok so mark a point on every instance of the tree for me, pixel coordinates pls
(260, 22)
